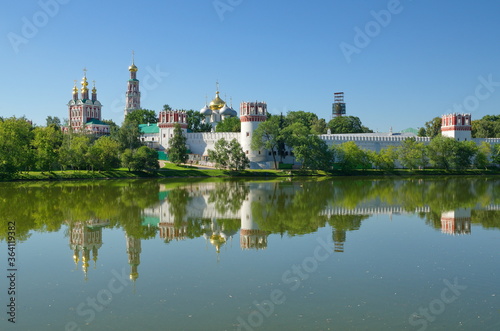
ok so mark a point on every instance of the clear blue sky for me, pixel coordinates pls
(416, 64)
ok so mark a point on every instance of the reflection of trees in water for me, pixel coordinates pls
(228, 196)
(292, 207)
(279, 207)
(45, 206)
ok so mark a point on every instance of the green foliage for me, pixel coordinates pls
(196, 122)
(229, 124)
(447, 153)
(128, 136)
(482, 156)
(347, 124)
(141, 116)
(386, 158)
(103, 154)
(268, 136)
(319, 126)
(228, 155)
(432, 128)
(487, 127)
(16, 135)
(412, 154)
(495, 154)
(177, 151)
(349, 156)
(306, 118)
(53, 121)
(73, 151)
(147, 158)
(314, 153)
(47, 141)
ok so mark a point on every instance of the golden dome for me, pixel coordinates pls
(217, 103)
(75, 89)
(84, 83)
(133, 68)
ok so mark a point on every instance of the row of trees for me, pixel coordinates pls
(24, 147)
(313, 153)
(486, 127)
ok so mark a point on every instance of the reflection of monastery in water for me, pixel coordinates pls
(86, 237)
(218, 212)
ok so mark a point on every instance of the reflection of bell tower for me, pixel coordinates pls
(251, 237)
(339, 237)
(86, 237)
(457, 221)
(134, 256)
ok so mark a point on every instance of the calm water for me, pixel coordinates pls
(343, 254)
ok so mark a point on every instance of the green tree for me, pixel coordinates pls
(16, 135)
(53, 121)
(128, 160)
(386, 158)
(128, 136)
(486, 127)
(495, 154)
(422, 132)
(103, 154)
(142, 116)
(300, 116)
(347, 124)
(47, 141)
(433, 127)
(177, 151)
(228, 155)
(147, 158)
(268, 136)
(313, 153)
(349, 156)
(482, 156)
(229, 124)
(73, 151)
(447, 153)
(196, 122)
(319, 126)
(412, 154)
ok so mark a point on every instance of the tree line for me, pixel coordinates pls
(25, 147)
(283, 136)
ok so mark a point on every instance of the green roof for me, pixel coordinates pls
(96, 121)
(149, 128)
(150, 220)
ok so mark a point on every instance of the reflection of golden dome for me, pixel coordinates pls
(217, 103)
(133, 68)
(217, 240)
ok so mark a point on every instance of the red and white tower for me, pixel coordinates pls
(133, 95)
(457, 126)
(251, 115)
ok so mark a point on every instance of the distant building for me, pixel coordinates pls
(85, 112)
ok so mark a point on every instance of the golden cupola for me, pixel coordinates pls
(217, 103)
(132, 68)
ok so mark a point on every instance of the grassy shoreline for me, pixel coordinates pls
(172, 171)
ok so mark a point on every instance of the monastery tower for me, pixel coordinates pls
(457, 126)
(251, 115)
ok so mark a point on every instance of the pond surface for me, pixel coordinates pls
(341, 254)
